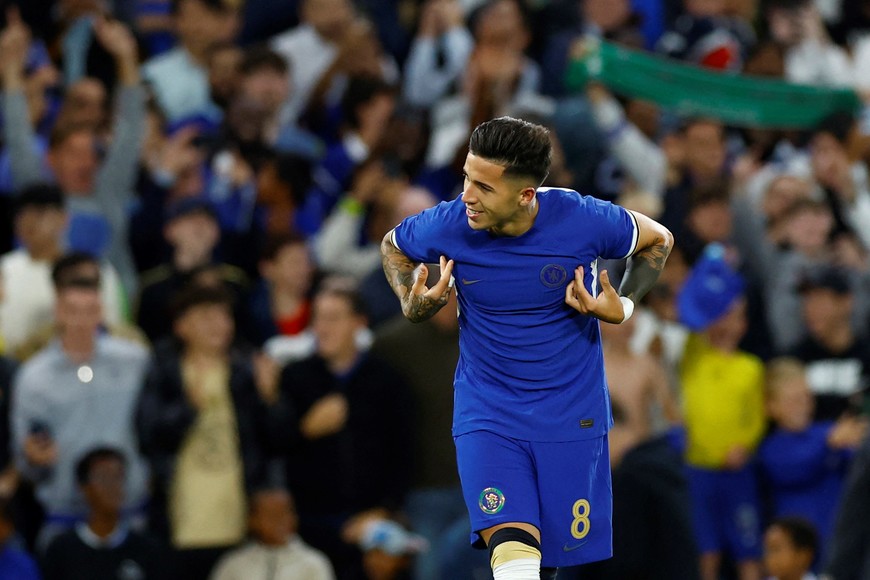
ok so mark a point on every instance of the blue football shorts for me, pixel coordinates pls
(726, 512)
(563, 489)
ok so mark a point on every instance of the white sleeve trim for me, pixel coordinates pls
(634, 236)
(393, 240)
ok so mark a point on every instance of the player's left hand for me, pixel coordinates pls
(606, 306)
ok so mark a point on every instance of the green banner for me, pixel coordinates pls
(690, 90)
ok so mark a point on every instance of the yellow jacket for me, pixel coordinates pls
(723, 402)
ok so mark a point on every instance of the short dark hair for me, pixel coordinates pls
(710, 193)
(63, 131)
(277, 242)
(65, 272)
(39, 195)
(84, 465)
(523, 148)
(801, 532)
(838, 125)
(198, 295)
(266, 489)
(361, 90)
(346, 288)
(260, 57)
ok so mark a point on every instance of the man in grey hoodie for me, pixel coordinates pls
(98, 192)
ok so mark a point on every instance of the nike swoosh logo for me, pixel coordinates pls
(567, 548)
(470, 282)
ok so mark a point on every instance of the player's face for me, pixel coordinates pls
(492, 201)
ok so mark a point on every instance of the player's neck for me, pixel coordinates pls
(522, 222)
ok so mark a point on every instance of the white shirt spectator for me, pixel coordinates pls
(294, 560)
(28, 297)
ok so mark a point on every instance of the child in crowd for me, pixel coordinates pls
(790, 545)
(723, 398)
(276, 550)
(804, 462)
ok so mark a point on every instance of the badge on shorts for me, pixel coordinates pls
(553, 276)
(491, 500)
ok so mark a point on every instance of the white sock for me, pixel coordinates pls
(522, 569)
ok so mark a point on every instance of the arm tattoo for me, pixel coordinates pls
(644, 268)
(400, 275)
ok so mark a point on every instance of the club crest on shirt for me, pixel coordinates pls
(491, 500)
(553, 275)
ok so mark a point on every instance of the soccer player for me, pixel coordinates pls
(531, 409)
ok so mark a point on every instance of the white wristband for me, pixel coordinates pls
(627, 307)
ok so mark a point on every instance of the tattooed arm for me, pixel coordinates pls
(654, 244)
(408, 281)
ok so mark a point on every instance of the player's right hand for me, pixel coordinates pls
(422, 302)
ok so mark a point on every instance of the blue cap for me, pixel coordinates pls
(710, 289)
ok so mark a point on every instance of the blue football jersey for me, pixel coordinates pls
(530, 366)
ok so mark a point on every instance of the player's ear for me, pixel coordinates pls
(527, 195)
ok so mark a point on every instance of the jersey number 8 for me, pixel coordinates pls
(580, 525)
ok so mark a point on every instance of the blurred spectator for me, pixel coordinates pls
(843, 179)
(439, 53)
(265, 79)
(803, 461)
(795, 240)
(348, 441)
(367, 107)
(179, 78)
(97, 191)
(616, 20)
(280, 304)
(790, 546)
(14, 561)
(811, 58)
(40, 223)
(330, 41)
(373, 193)
(498, 77)
(202, 427)
(276, 551)
(364, 57)
(103, 546)
(71, 267)
(224, 74)
(723, 401)
(192, 231)
(637, 383)
(282, 183)
(707, 35)
(837, 359)
(689, 159)
(78, 393)
(650, 494)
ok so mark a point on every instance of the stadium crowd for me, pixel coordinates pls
(206, 375)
